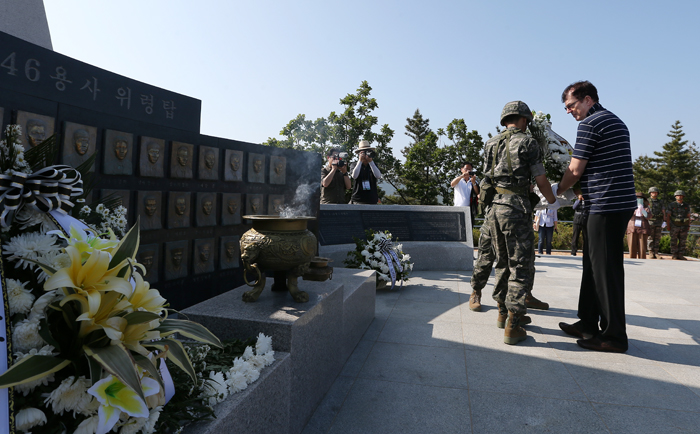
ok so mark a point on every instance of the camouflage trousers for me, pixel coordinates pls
(513, 239)
(679, 235)
(654, 238)
(484, 263)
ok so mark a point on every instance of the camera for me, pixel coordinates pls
(369, 154)
(472, 173)
(340, 159)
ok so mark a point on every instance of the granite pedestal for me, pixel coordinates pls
(436, 237)
(318, 335)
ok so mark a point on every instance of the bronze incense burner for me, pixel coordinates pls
(282, 245)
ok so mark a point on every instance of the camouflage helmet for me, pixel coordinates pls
(679, 193)
(516, 108)
(653, 190)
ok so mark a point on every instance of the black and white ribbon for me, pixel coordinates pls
(48, 189)
(386, 248)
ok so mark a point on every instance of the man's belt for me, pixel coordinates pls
(513, 190)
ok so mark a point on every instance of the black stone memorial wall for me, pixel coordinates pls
(189, 189)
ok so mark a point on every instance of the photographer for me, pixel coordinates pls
(466, 188)
(365, 174)
(334, 177)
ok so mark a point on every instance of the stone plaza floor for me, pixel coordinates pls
(427, 364)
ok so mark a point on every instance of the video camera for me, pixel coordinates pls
(340, 159)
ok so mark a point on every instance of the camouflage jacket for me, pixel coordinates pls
(525, 163)
(657, 210)
(678, 213)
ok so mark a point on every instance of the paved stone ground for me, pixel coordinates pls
(427, 364)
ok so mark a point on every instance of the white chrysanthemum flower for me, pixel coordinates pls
(236, 381)
(40, 304)
(26, 388)
(132, 425)
(252, 374)
(150, 425)
(384, 268)
(88, 426)
(257, 362)
(263, 345)
(214, 389)
(25, 335)
(29, 217)
(365, 253)
(71, 395)
(100, 208)
(269, 357)
(28, 246)
(374, 264)
(378, 255)
(55, 259)
(85, 211)
(19, 298)
(28, 418)
(248, 353)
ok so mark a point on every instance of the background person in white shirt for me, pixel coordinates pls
(466, 188)
(545, 224)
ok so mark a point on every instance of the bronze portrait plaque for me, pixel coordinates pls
(206, 209)
(255, 204)
(151, 157)
(35, 128)
(275, 203)
(150, 206)
(79, 142)
(118, 153)
(256, 168)
(204, 252)
(208, 163)
(125, 196)
(176, 259)
(231, 209)
(278, 170)
(229, 252)
(181, 156)
(233, 166)
(148, 256)
(179, 209)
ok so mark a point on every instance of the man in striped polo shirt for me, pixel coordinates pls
(602, 161)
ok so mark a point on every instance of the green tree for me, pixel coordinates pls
(344, 129)
(421, 172)
(467, 146)
(417, 128)
(675, 167)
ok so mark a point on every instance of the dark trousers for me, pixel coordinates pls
(574, 240)
(602, 294)
(545, 235)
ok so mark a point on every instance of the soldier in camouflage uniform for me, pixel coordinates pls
(657, 215)
(678, 225)
(512, 158)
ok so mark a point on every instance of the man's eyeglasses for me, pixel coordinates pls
(571, 106)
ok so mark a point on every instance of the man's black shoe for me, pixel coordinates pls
(573, 330)
(596, 344)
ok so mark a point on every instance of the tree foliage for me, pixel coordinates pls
(675, 167)
(343, 129)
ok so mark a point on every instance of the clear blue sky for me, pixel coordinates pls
(257, 64)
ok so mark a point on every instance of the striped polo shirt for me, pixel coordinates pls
(607, 182)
